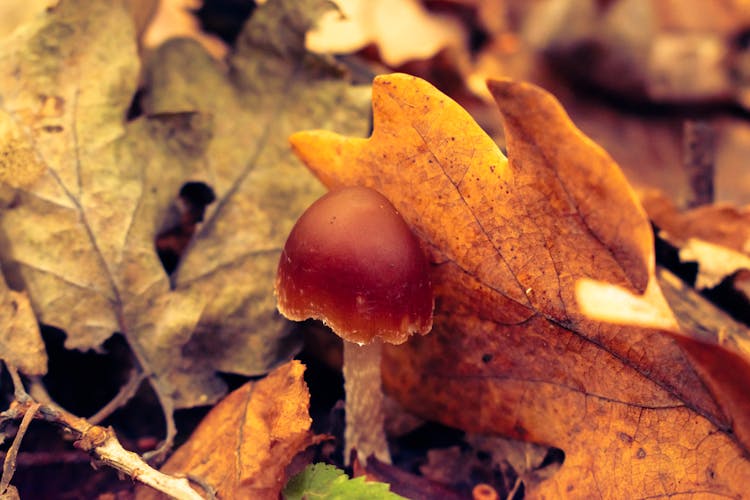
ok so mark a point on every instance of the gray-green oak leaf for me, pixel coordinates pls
(79, 235)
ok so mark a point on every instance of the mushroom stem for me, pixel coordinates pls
(364, 402)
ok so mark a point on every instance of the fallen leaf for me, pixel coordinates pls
(173, 19)
(504, 464)
(80, 238)
(645, 140)
(20, 340)
(716, 237)
(15, 13)
(722, 360)
(403, 30)
(402, 482)
(275, 86)
(715, 262)
(510, 352)
(721, 224)
(679, 53)
(242, 447)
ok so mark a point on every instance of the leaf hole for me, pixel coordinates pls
(224, 18)
(182, 219)
(554, 456)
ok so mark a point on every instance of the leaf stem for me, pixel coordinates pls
(9, 464)
(124, 395)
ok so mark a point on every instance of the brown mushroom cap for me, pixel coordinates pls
(352, 262)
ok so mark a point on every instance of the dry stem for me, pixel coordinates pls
(100, 442)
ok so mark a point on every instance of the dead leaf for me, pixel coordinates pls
(646, 141)
(721, 224)
(403, 30)
(242, 447)
(274, 87)
(20, 340)
(681, 52)
(19, 164)
(15, 13)
(715, 262)
(716, 237)
(173, 19)
(80, 238)
(510, 352)
(504, 464)
(723, 361)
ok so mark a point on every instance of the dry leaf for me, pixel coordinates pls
(722, 224)
(403, 30)
(15, 13)
(173, 19)
(510, 352)
(242, 447)
(717, 237)
(20, 340)
(660, 50)
(80, 238)
(646, 141)
(715, 262)
(722, 360)
(274, 87)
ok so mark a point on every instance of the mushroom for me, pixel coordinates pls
(352, 262)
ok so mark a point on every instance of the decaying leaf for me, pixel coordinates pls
(722, 361)
(174, 18)
(20, 341)
(15, 13)
(510, 351)
(403, 30)
(242, 447)
(715, 262)
(716, 237)
(646, 143)
(722, 224)
(680, 52)
(273, 87)
(80, 237)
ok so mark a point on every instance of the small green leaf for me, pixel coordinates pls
(326, 481)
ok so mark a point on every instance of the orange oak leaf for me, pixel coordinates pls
(511, 352)
(243, 446)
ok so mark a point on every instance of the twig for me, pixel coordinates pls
(124, 395)
(18, 391)
(205, 486)
(100, 442)
(167, 408)
(9, 464)
(37, 391)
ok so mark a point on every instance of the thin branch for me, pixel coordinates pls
(125, 394)
(9, 464)
(38, 392)
(100, 442)
(18, 391)
(167, 408)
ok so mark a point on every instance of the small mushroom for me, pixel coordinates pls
(352, 262)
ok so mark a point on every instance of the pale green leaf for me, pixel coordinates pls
(323, 481)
